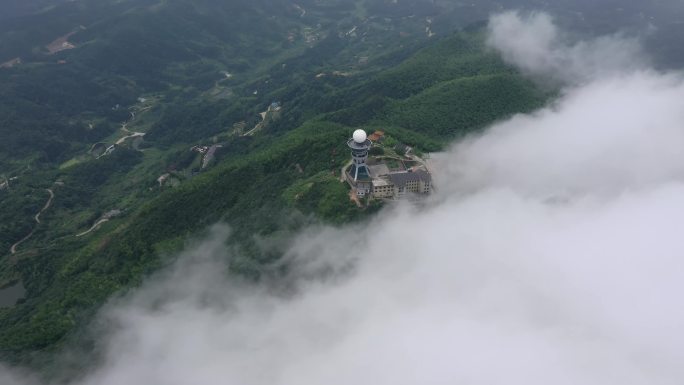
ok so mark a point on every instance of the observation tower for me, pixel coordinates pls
(359, 145)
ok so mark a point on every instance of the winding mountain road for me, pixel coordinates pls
(93, 227)
(124, 128)
(258, 126)
(14, 247)
(343, 177)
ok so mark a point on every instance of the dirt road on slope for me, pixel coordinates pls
(14, 247)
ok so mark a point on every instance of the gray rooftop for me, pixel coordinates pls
(401, 178)
(378, 170)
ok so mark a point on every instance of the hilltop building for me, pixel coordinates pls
(418, 182)
(385, 177)
(383, 189)
(358, 174)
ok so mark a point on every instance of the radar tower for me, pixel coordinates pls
(359, 145)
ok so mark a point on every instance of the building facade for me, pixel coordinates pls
(396, 185)
(382, 188)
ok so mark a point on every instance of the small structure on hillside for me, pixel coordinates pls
(402, 149)
(385, 177)
(275, 106)
(377, 136)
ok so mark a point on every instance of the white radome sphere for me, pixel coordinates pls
(360, 136)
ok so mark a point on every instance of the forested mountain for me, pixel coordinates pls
(10, 9)
(105, 104)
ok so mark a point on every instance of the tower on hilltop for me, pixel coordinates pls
(359, 145)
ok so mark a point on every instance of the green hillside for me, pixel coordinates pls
(123, 122)
(460, 106)
(445, 90)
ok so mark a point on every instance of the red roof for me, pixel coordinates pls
(377, 135)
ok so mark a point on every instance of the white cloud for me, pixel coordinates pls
(551, 254)
(15, 377)
(621, 132)
(534, 44)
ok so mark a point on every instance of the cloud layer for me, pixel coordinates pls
(551, 254)
(536, 46)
